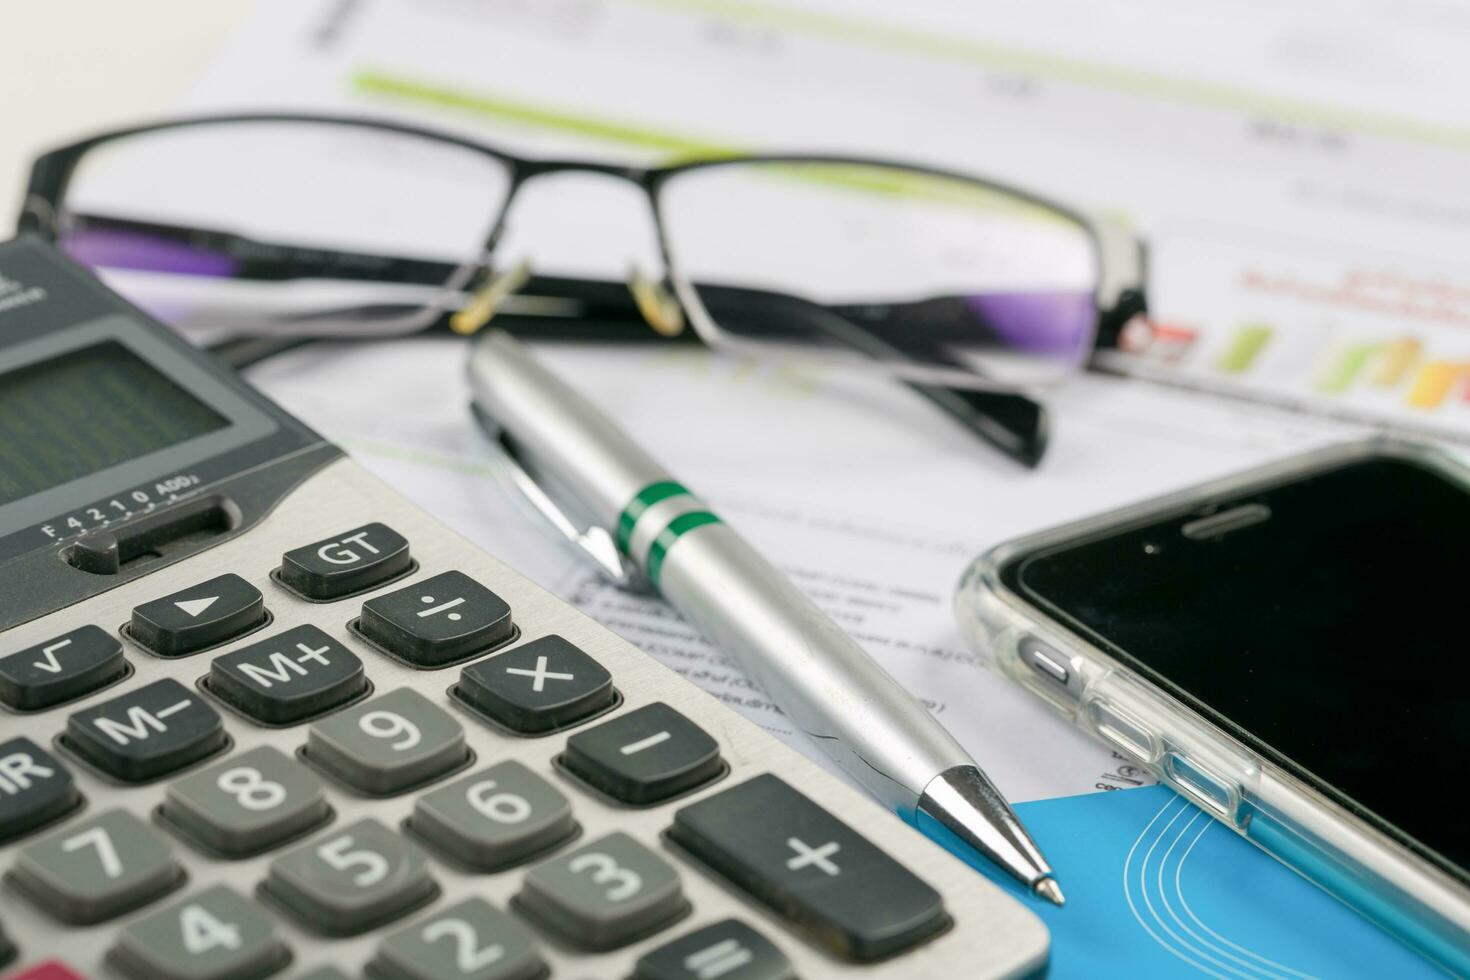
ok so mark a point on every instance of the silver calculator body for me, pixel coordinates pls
(261, 716)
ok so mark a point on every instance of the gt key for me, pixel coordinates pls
(146, 732)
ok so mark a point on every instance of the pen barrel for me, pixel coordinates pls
(575, 446)
(829, 687)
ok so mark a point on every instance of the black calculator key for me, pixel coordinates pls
(146, 732)
(347, 563)
(200, 616)
(810, 868)
(541, 686)
(289, 677)
(438, 621)
(644, 756)
(61, 669)
(34, 788)
(728, 950)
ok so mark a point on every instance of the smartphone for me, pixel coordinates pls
(1289, 648)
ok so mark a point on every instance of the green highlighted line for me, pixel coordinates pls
(371, 82)
(1132, 81)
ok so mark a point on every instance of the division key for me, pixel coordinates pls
(810, 868)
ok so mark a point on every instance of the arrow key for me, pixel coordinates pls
(198, 617)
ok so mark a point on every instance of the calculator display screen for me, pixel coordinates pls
(85, 411)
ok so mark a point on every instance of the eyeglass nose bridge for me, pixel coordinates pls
(654, 299)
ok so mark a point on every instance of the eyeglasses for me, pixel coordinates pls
(293, 227)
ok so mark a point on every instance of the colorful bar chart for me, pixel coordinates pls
(1244, 347)
(1433, 383)
(1345, 367)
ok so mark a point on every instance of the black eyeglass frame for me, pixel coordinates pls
(1010, 419)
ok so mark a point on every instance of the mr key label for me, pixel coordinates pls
(437, 621)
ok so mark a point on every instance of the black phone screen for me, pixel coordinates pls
(1333, 635)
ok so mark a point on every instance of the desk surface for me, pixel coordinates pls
(70, 68)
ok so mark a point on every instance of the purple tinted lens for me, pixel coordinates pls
(1055, 325)
(116, 248)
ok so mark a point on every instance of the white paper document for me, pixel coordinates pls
(868, 498)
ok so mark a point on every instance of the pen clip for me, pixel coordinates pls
(594, 542)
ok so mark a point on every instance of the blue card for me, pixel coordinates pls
(1156, 888)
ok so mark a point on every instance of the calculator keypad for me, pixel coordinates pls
(391, 743)
(73, 664)
(471, 940)
(198, 617)
(495, 817)
(248, 803)
(320, 750)
(97, 868)
(216, 934)
(438, 621)
(351, 879)
(147, 732)
(34, 788)
(288, 678)
(603, 894)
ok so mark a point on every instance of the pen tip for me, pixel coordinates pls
(1048, 889)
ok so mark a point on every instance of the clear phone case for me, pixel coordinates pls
(1289, 819)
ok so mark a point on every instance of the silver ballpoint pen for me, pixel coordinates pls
(568, 456)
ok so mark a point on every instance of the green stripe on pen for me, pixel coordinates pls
(678, 527)
(642, 500)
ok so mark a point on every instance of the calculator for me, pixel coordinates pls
(261, 716)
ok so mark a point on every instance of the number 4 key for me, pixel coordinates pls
(215, 934)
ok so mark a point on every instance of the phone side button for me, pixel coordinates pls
(1211, 792)
(1123, 731)
(1048, 663)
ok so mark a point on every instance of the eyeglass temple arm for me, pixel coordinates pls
(1011, 422)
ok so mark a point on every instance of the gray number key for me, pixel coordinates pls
(495, 817)
(248, 803)
(604, 894)
(217, 934)
(392, 743)
(468, 941)
(97, 868)
(351, 880)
